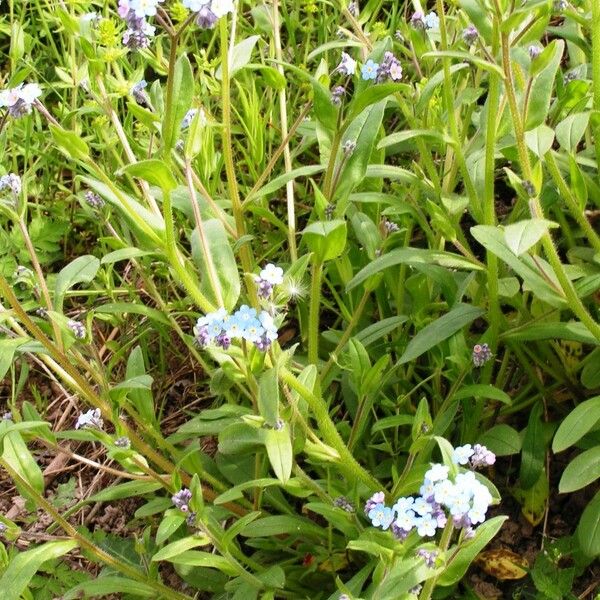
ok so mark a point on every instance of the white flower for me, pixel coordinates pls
(26, 93)
(437, 472)
(443, 491)
(432, 21)
(220, 8)
(403, 504)
(396, 72)
(426, 526)
(144, 8)
(422, 507)
(92, 418)
(266, 320)
(195, 5)
(406, 520)
(462, 454)
(347, 65)
(272, 274)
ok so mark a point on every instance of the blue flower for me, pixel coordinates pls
(369, 70)
(381, 516)
(234, 327)
(426, 526)
(245, 314)
(462, 454)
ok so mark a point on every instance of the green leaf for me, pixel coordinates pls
(467, 56)
(268, 397)
(125, 490)
(523, 235)
(377, 330)
(533, 499)
(139, 395)
(154, 171)
(481, 390)
(460, 559)
(183, 93)
(175, 548)
(411, 256)
(279, 450)
(440, 330)
(149, 224)
(195, 558)
(70, 143)
(571, 129)
(239, 438)
(18, 456)
(534, 447)
(493, 239)
(282, 180)
(123, 254)
(543, 86)
(223, 259)
(8, 347)
(405, 574)
(502, 440)
(235, 492)
(574, 331)
(110, 584)
(409, 134)
(81, 270)
(540, 140)
(363, 130)
(372, 95)
(326, 239)
(125, 308)
(432, 84)
(576, 424)
(171, 522)
(283, 524)
(239, 56)
(581, 471)
(25, 564)
(588, 530)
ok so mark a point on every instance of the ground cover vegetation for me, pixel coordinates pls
(299, 299)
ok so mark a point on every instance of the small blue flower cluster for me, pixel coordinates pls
(268, 278)
(465, 500)
(208, 12)
(11, 182)
(19, 100)
(422, 21)
(221, 328)
(389, 68)
(481, 354)
(91, 419)
(139, 31)
(246, 323)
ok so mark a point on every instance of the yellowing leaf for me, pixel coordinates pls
(503, 564)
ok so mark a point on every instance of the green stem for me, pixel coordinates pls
(489, 209)
(356, 314)
(429, 585)
(313, 312)
(186, 279)
(595, 25)
(328, 181)
(234, 194)
(347, 463)
(283, 117)
(537, 211)
(449, 101)
(210, 264)
(571, 201)
(102, 556)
